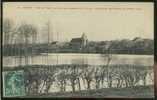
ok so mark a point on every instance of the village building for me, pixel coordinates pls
(79, 43)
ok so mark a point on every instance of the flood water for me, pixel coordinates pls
(72, 58)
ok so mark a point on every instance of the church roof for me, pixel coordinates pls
(76, 40)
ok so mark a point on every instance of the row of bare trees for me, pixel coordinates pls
(39, 79)
(21, 35)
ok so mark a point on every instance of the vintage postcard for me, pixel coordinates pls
(78, 49)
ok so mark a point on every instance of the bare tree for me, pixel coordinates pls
(7, 30)
(72, 76)
(108, 57)
(143, 74)
(62, 78)
(8, 35)
(97, 77)
(34, 41)
(49, 77)
(87, 75)
(26, 31)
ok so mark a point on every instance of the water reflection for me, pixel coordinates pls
(91, 59)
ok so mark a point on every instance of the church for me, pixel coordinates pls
(79, 43)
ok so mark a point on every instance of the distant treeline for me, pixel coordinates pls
(23, 40)
(135, 46)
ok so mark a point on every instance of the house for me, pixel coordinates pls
(54, 42)
(137, 39)
(79, 43)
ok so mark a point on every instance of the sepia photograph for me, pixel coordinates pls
(78, 49)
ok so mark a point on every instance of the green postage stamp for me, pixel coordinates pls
(13, 83)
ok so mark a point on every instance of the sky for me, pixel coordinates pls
(99, 21)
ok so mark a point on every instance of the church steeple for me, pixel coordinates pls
(84, 35)
(84, 38)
